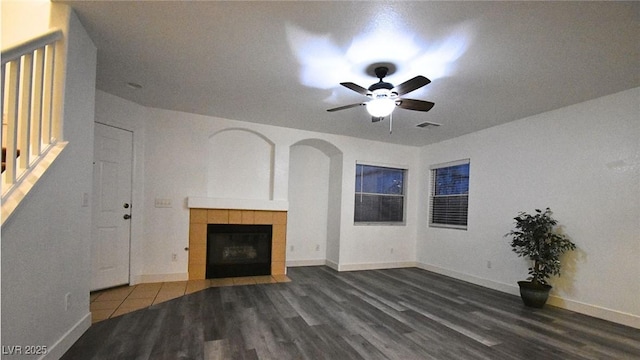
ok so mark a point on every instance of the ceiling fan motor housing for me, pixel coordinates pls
(381, 85)
(381, 72)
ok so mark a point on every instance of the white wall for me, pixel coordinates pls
(583, 162)
(334, 205)
(21, 23)
(240, 165)
(308, 206)
(45, 244)
(374, 246)
(174, 166)
(530, 163)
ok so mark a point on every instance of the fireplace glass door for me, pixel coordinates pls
(238, 250)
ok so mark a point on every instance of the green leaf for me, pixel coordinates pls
(535, 236)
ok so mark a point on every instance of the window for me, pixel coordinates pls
(449, 199)
(379, 194)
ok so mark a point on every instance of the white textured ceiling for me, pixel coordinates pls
(280, 63)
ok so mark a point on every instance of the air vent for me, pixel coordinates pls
(427, 124)
(134, 86)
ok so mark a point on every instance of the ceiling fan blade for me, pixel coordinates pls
(417, 105)
(410, 85)
(355, 87)
(345, 107)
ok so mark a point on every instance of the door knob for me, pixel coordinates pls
(126, 205)
(127, 216)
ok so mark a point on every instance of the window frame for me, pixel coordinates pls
(403, 195)
(432, 194)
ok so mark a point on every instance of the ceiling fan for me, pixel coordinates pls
(385, 97)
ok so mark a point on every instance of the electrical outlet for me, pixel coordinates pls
(67, 301)
(174, 257)
(488, 264)
(391, 251)
(317, 247)
(291, 248)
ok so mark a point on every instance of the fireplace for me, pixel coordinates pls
(238, 250)
(201, 218)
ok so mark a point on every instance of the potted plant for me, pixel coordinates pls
(536, 237)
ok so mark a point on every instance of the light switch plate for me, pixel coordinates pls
(163, 203)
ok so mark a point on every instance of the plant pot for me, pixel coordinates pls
(534, 295)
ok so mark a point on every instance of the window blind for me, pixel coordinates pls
(449, 200)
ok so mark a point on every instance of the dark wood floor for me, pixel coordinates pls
(378, 314)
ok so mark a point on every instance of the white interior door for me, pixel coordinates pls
(111, 209)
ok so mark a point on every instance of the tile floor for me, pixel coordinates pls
(117, 301)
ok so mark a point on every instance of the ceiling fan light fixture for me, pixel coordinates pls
(384, 97)
(382, 104)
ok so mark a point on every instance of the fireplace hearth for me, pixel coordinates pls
(235, 250)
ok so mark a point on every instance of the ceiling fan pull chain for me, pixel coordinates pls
(390, 123)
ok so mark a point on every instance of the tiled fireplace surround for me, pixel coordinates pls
(200, 218)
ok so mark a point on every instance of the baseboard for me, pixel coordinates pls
(296, 263)
(375, 266)
(333, 265)
(351, 267)
(579, 307)
(505, 288)
(596, 311)
(68, 339)
(154, 278)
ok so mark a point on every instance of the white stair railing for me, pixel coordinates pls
(31, 121)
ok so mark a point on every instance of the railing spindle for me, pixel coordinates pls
(2, 138)
(47, 95)
(12, 128)
(24, 118)
(36, 102)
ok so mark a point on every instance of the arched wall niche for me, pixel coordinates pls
(240, 165)
(326, 147)
(315, 200)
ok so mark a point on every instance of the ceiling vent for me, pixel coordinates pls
(427, 124)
